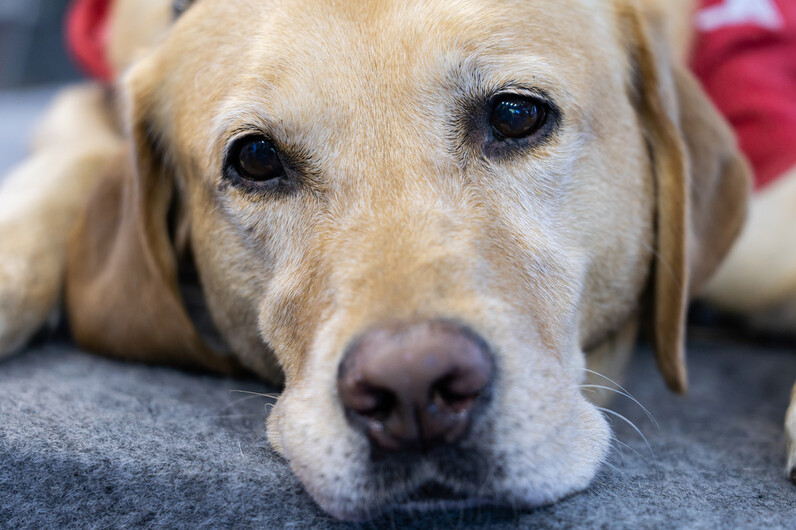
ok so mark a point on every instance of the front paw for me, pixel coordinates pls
(29, 288)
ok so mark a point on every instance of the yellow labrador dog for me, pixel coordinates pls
(426, 217)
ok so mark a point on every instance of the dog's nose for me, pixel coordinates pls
(415, 386)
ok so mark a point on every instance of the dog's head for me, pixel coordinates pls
(425, 215)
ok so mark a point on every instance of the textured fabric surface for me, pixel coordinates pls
(90, 442)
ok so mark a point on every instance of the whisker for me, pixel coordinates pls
(269, 396)
(623, 389)
(613, 451)
(666, 266)
(617, 415)
(623, 444)
(241, 400)
(219, 416)
(628, 396)
(613, 467)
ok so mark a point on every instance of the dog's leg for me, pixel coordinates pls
(790, 430)
(758, 279)
(40, 202)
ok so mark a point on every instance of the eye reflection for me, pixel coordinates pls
(518, 116)
(256, 159)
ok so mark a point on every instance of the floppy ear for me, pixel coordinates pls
(122, 292)
(702, 184)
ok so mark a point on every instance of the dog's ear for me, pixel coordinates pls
(701, 179)
(122, 292)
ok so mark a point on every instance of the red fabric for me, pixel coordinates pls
(745, 56)
(86, 34)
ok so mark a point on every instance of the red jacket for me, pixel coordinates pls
(745, 56)
(87, 36)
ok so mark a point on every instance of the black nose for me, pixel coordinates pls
(414, 386)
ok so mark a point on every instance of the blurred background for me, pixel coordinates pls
(32, 49)
(34, 62)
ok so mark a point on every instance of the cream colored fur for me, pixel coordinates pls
(549, 252)
(759, 276)
(39, 203)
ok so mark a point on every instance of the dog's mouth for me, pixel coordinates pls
(436, 492)
(437, 496)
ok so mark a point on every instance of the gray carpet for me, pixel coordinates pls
(86, 441)
(92, 443)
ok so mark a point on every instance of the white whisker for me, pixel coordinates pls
(613, 467)
(623, 389)
(231, 405)
(623, 444)
(613, 451)
(227, 416)
(628, 396)
(617, 415)
(617, 452)
(269, 396)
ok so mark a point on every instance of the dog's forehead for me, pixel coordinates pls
(390, 43)
(277, 55)
(377, 36)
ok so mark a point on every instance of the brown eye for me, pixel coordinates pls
(256, 159)
(517, 116)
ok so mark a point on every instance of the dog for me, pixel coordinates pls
(432, 221)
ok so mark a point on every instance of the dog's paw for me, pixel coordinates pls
(790, 431)
(29, 290)
(32, 243)
(40, 201)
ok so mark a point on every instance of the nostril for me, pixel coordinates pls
(373, 403)
(453, 397)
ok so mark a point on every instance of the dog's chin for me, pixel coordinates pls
(430, 497)
(434, 496)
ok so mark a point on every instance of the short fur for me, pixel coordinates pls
(553, 254)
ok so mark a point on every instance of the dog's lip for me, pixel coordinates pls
(435, 491)
(443, 505)
(433, 495)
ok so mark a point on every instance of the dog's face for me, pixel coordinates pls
(425, 213)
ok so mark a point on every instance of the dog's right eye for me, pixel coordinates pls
(255, 159)
(518, 117)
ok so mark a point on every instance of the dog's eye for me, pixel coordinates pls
(256, 159)
(517, 116)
